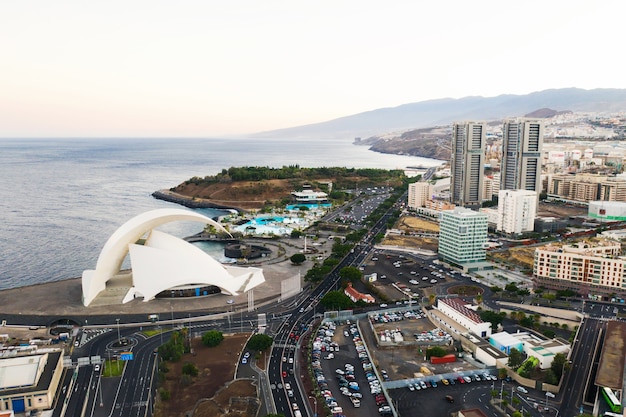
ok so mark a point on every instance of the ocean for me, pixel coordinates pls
(61, 199)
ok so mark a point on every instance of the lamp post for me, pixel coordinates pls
(119, 339)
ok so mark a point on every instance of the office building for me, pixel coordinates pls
(467, 163)
(516, 211)
(463, 238)
(522, 143)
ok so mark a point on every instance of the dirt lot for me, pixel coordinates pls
(214, 383)
(403, 362)
(412, 225)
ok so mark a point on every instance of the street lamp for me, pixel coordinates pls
(119, 339)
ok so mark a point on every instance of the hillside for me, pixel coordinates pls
(444, 111)
(252, 188)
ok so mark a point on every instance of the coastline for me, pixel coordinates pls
(189, 202)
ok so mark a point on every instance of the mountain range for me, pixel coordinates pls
(444, 111)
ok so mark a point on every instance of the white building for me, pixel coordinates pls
(30, 382)
(607, 210)
(456, 309)
(162, 262)
(419, 193)
(543, 350)
(517, 210)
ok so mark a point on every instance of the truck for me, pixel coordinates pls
(153, 318)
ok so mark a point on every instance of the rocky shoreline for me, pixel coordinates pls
(189, 202)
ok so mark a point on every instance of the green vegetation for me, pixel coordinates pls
(297, 258)
(515, 358)
(436, 351)
(342, 177)
(113, 368)
(350, 273)
(336, 300)
(190, 369)
(174, 349)
(260, 342)
(152, 332)
(494, 318)
(212, 338)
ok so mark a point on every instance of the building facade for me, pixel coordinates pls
(462, 237)
(467, 163)
(587, 187)
(419, 194)
(589, 269)
(516, 211)
(522, 144)
(456, 309)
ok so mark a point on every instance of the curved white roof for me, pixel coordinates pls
(163, 261)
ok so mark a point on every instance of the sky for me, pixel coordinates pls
(208, 68)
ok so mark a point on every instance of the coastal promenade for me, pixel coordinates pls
(47, 302)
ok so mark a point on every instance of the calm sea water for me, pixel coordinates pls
(61, 199)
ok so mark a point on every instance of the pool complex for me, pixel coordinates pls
(279, 225)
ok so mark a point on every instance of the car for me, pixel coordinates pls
(290, 393)
(445, 382)
(411, 387)
(449, 398)
(467, 379)
(246, 355)
(287, 386)
(339, 371)
(97, 367)
(423, 385)
(461, 380)
(76, 343)
(357, 395)
(284, 359)
(329, 356)
(522, 389)
(383, 305)
(244, 360)
(290, 360)
(284, 374)
(294, 406)
(301, 310)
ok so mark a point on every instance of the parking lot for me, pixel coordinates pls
(398, 276)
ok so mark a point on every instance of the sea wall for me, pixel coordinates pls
(166, 195)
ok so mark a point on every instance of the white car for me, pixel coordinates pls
(231, 301)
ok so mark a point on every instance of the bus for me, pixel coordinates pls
(611, 400)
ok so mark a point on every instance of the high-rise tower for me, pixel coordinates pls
(522, 143)
(467, 163)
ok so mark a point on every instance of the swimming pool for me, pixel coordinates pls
(271, 225)
(296, 207)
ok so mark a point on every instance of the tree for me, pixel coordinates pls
(436, 351)
(296, 233)
(212, 338)
(297, 258)
(190, 369)
(260, 342)
(515, 358)
(558, 365)
(350, 273)
(336, 300)
(494, 318)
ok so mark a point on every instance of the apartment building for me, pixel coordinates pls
(522, 144)
(467, 163)
(516, 211)
(589, 269)
(419, 194)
